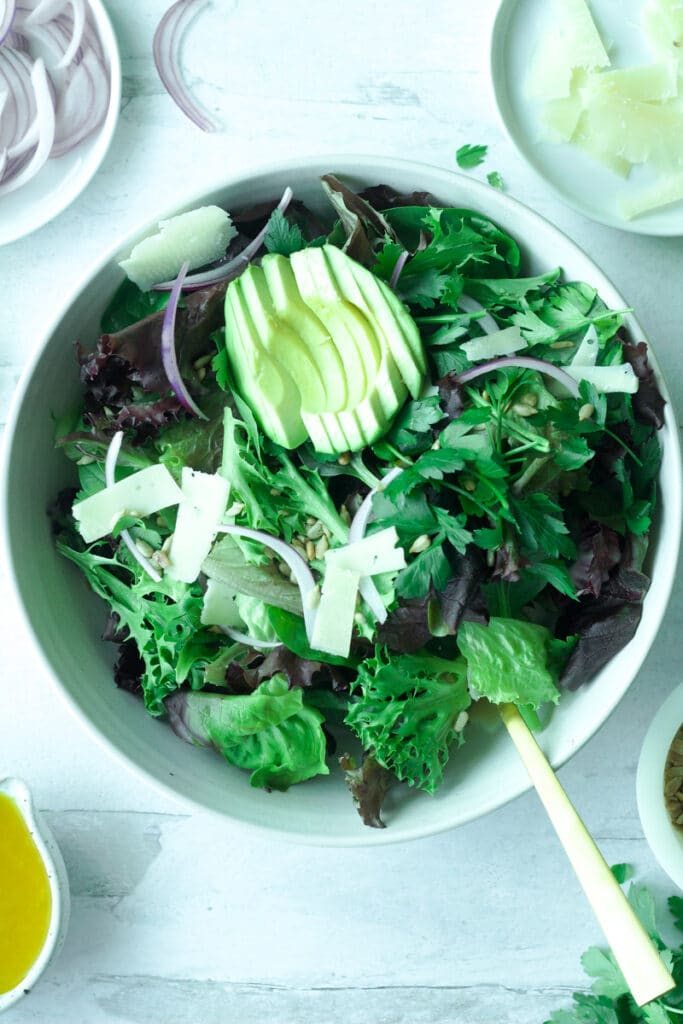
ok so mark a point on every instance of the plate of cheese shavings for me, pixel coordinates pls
(590, 93)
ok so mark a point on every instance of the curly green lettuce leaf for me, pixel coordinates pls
(510, 661)
(406, 711)
(269, 732)
(163, 619)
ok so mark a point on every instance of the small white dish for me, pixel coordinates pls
(664, 839)
(51, 856)
(60, 181)
(576, 179)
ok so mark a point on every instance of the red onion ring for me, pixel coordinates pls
(244, 638)
(78, 116)
(45, 118)
(304, 576)
(486, 322)
(166, 49)
(359, 524)
(168, 351)
(7, 12)
(47, 10)
(109, 480)
(234, 267)
(524, 363)
(398, 267)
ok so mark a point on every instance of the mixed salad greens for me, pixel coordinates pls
(288, 603)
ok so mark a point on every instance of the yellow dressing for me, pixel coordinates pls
(25, 898)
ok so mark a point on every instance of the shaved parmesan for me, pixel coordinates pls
(139, 495)
(587, 352)
(637, 131)
(205, 497)
(371, 556)
(645, 82)
(592, 143)
(199, 236)
(560, 118)
(662, 193)
(220, 605)
(608, 379)
(500, 343)
(573, 42)
(335, 614)
(663, 26)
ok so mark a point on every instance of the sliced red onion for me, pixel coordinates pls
(524, 363)
(45, 117)
(109, 481)
(398, 268)
(3, 162)
(7, 12)
(359, 524)
(15, 76)
(83, 104)
(168, 352)
(234, 267)
(166, 49)
(249, 641)
(299, 567)
(486, 322)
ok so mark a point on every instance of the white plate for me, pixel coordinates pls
(577, 179)
(664, 839)
(61, 181)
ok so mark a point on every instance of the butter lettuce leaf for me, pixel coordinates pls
(510, 661)
(269, 732)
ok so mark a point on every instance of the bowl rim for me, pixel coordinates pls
(362, 165)
(638, 226)
(20, 794)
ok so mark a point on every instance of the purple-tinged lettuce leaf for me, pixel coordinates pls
(604, 625)
(648, 403)
(369, 785)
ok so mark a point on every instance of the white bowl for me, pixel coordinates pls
(664, 839)
(51, 857)
(578, 180)
(61, 181)
(66, 619)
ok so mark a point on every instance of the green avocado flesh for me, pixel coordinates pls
(321, 348)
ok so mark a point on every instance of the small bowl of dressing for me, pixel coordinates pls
(34, 893)
(659, 786)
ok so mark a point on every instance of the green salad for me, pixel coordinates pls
(342, 479)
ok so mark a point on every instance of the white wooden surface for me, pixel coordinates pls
(175, 918)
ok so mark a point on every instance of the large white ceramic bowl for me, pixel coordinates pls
(66, 619)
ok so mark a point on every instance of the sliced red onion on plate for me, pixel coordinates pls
(359, 524)
(50, 50)
(523, 363)
(7, 13)
(166, 49)
(233, 267)
(169, 358)
(109, 480)
(45, 119)
(299, 567)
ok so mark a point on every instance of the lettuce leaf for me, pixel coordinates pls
(512, 661)
(406, 711)
(269, 732)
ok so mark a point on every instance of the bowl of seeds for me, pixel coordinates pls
(659, 786)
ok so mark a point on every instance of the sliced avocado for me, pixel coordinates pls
(270, 392)
(290, 308)
(320, 348)
(393, 320)
(280, 341)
